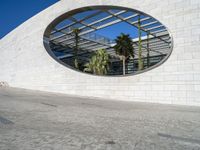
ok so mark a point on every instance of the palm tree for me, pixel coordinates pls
(76, 40)
(140, 62)
(124, 48)
(98, 64)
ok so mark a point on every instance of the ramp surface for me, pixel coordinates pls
(31, 120)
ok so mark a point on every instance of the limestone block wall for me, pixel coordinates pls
(25, 63)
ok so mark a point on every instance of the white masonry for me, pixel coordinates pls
(25, 63)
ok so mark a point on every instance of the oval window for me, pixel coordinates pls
(108, 40)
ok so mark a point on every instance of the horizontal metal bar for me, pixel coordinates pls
(159, 31)
(152, 28)
(100, 27)
(88, 17)
(81, 22)
(148, 24)
(89, 45)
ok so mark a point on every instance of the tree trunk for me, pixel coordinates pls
(148, 61)
(140, 62)
(124, 65)
(76, 64)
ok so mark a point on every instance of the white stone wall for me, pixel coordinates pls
(25, 63)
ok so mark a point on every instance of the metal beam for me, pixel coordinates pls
(148, 24)
(81, 22)
(88, 17)
(149, 49)
(133, 24)
(100, 27)
(152, 28)
(159, 31)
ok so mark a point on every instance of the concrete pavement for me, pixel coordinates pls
(31, 120)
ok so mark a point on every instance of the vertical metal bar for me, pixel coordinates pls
(148, 61)
(140, 61)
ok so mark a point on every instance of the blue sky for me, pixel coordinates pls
(110, 32)
(15, 12)
(117, 29)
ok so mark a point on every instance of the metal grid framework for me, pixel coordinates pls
(61, 37)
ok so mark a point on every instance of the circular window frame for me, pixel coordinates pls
(62, 17)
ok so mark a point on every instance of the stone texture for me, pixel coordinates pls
(31, 120)
(26, 64)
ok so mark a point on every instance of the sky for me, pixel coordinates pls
(110, 32)
(15, 12)
(117, 29)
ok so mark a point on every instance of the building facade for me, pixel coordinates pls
(25, 63)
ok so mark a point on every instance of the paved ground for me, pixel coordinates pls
(34, 120)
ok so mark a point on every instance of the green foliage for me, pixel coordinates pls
(124, 48)
(98, 64)
(76, 41)
(124, 45)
